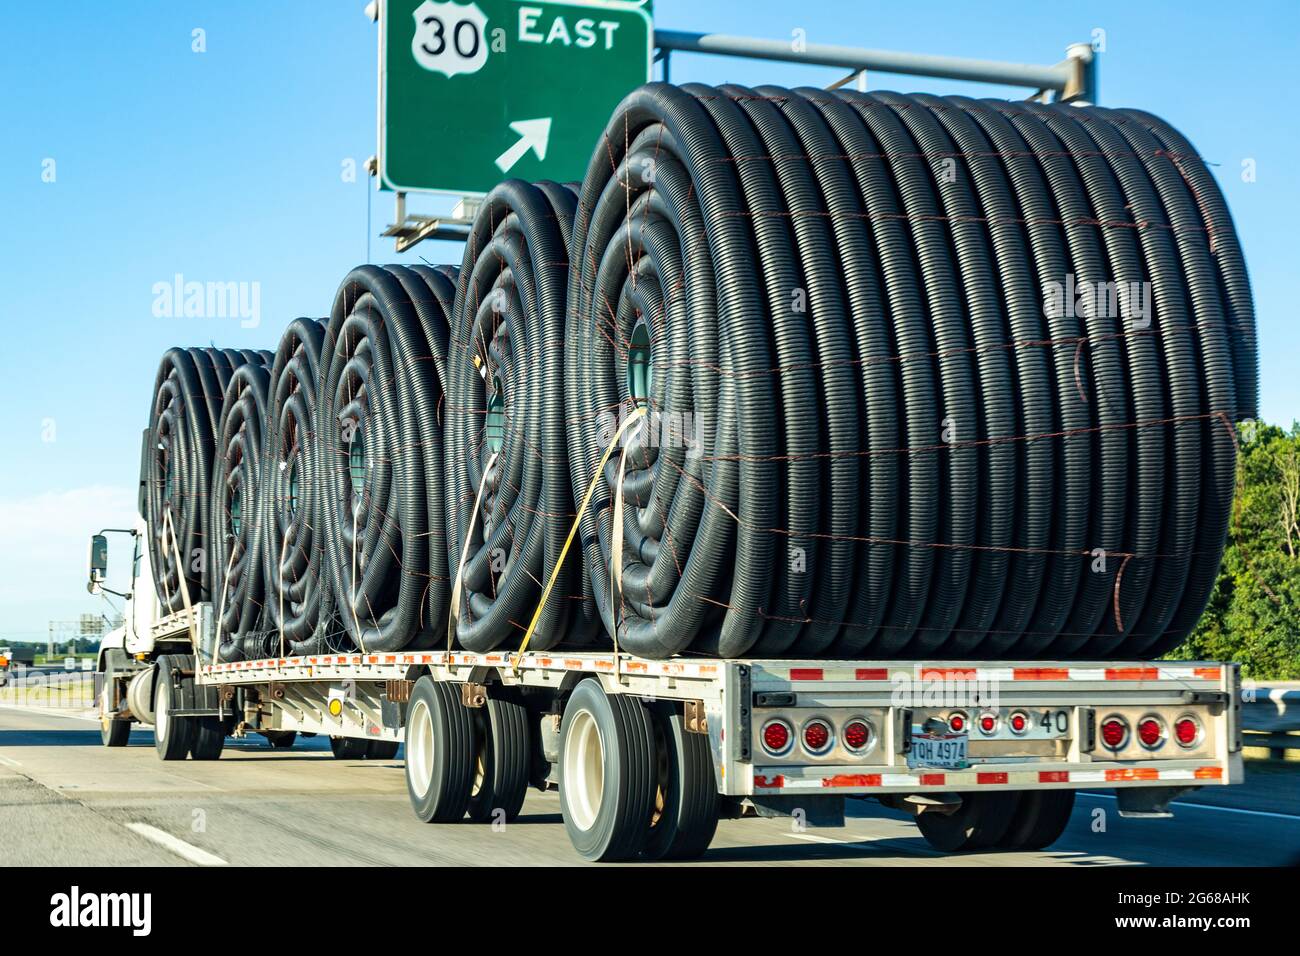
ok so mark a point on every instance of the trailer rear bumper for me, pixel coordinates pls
(858, 781)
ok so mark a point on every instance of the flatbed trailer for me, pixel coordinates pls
(652, 753)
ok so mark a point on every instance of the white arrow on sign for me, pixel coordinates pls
(533, 134)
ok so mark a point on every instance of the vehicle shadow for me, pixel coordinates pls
(50, 738)
(902, 849)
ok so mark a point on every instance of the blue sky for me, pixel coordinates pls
(227, 165)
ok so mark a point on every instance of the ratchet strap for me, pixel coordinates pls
(454, 618)
(635, 415)
(170, 531)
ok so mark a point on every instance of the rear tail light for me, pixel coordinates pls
(817, 736)
(1018, 722)
(1151, 732)
(988, 723)
(777, 738)
(1187, 731)
(957, 723)
(857, 735)
(1114, 732)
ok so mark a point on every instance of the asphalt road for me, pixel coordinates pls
(66, 800)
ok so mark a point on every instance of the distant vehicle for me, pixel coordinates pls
(14, 658)
(17, 655)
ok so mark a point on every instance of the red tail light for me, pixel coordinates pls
(1151, 732)
(776, 737)
(988, 723)
(957, 723)
(1114, 731)
(857, 735)
(816, 736)
(1187, 731)
(1019, 723)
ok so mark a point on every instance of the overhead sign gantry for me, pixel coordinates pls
(474, 93)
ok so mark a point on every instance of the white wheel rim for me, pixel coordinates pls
(160, 711)
(419, 749)
(584, 770)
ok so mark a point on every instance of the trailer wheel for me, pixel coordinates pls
(381, 749)
(113, 731)
(981, 821)
(439, 752)
(1040, 819)
(348, 748)
(209, 738)
(172, 736)
(280, 739)
(503, 761)
(685, 813)
(607, 773)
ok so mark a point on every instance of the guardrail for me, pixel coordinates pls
(1271, 718)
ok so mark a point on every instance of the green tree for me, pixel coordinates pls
(1252, 616)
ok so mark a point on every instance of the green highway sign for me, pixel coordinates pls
(474, 93)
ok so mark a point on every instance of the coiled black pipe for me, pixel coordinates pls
(379, 432)
(184, 419)
(1225, 249)
(299, 600)
(238, 581)
(927, 412)
(506, 419)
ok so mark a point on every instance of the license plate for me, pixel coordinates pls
(938, 750)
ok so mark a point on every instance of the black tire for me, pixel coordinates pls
(381, 749)
(280, 739)
(439, 752)
(348, 748)
(980, 822)
(503, 761)
(172, 736)
(209, 738)
(997, 812)
(685, 812)
(606, 810)
(1041, 817)
(113, 732)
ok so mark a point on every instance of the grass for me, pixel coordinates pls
(73, 691)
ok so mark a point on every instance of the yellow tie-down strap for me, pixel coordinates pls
(636, 415)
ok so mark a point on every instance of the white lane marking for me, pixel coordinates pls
(46, 712)
(861, 840)
(177, 846)
(1205, 806)
(9, 762)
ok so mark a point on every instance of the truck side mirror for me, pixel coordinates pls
(98, 562)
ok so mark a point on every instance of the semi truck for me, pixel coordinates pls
(647, 755)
